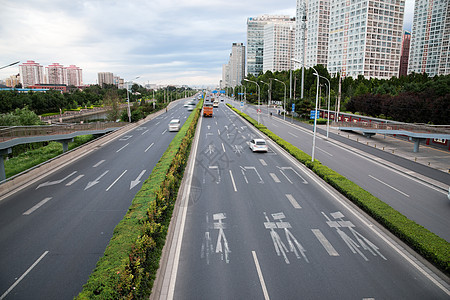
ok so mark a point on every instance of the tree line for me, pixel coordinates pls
(416, 98)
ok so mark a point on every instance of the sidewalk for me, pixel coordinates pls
(435, 158)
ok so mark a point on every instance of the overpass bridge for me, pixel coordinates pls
(64, 133)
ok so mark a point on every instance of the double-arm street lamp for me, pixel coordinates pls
(317, 102)
(259, 94)
(328, 113)
(128, 101)
(284, 102)
(268, 95)
(14, 63)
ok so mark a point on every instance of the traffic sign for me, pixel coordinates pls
(293, 106)
(314, 113)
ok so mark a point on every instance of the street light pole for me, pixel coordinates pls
(284, 102)
(128, 101)
(268, 93)
(259, 94)
(328, 114)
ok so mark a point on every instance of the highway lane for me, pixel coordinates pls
(424, 203)
(53, 232)
(259, 226)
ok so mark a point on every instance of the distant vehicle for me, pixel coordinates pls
(208, 110)
(259, 145)
(191, 106)
(174, 125)
(216, 103)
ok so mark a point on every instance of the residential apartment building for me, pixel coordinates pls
(105, 78)
(236, 65)
(31, 73)
(279, 44)
(255, 41)
(429, 52)
(56, 74)
(313, 19)
(74, 75)
(12, 81)
(365, 37)
(404, 54)
(225, 76)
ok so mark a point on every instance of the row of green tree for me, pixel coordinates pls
(55, 101)
(416, 98)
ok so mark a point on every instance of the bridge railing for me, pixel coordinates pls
(9, 133)
(422, 128)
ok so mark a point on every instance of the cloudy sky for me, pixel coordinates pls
(162, 41)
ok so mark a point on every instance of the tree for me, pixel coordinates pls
(112, 100)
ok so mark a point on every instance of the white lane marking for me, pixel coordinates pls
(275, 177)
(325, 243)
(232, 180)
(122, 147)
(157, 123)
(145, 132)
(223, 147)
(324, 151)
(263, 162)
(260, 276)
(164, 131)
(116, 180)
(292, 134)
(406, 195)
(92, 183)
(293, 201)
(48, 183)
(74, 180)
(125, 137)
(148, 147)
(31, 210)
(218, 131)
(23, 275)
(137, 180)
(98, 164)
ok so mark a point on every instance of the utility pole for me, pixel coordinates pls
(303, 27)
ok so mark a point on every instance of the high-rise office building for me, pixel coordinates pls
(255, 41)
(365, 37)
(404, 54)
(236, 65)
(313, 19)
(31, 73)
(105, 78)
(279, 44)
(74, 75)
(430, 37)
(56, 74)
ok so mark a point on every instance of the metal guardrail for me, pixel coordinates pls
(417, 128)
(9, 133)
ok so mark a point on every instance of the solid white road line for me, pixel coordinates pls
(325, 243)
(260, 276)
(31, 210)
(74, 180)
(232, 180)
(123, 147)
(23, 276)
(223, 147)
(404, 194)
(293, 201)
(116, 180)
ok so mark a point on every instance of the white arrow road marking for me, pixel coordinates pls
(31, 210)
(97, 180)
(74, 180)
(48, 183)
(137, 180)
(225, 250)
(116, 180)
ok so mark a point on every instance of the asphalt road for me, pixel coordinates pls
(53, 232)
(260, 226)
(383, 176)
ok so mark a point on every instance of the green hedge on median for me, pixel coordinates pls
(432, 247)
(130, 262)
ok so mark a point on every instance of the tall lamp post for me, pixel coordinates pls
(268, 93)
(328, 114)
(317, 103)
(259, 94)
(284, 102)
(14, 63)
(128, 101)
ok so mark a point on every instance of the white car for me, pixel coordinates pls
(258, 145)
(174, 125)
